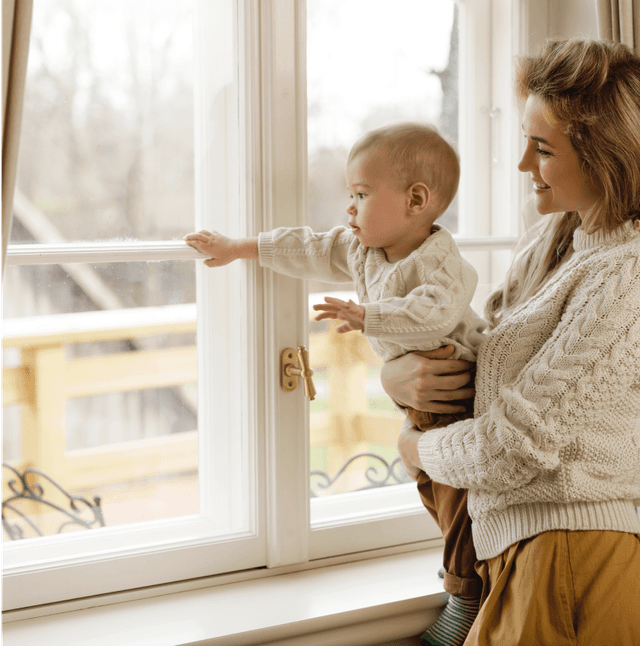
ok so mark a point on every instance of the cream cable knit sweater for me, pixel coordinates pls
(555, 442)
(418, 303)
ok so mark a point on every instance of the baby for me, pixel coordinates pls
(414, 290)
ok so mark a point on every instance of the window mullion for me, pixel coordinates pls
(474, 143)
(283, 106)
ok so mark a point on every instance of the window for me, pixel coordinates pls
(99, 301)
(127, 160)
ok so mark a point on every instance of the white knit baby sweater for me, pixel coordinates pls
(418, 303)
(555, 442)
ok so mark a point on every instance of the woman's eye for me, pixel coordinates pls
(542, 152)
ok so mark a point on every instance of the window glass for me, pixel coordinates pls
(100, 359)
(367, 67)
(107, 137)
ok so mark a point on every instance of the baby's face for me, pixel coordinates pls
(378, 207)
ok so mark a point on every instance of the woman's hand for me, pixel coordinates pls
(408, 448)
(428, 380)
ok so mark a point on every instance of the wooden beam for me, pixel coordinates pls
(131, 371)
(128, 461)
(81, 327)
(14, 386)
(43, 416)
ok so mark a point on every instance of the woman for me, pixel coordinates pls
(552, 457)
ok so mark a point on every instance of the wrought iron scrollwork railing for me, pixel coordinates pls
(390, 474)
(81, 512)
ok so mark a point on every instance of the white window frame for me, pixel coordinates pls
(285, 528)
(228, 532)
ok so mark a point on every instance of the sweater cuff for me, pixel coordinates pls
(372, 320)
(265, 249)
(430, 454)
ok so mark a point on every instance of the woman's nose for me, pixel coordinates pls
(525, 162)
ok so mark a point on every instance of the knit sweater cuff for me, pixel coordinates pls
(428, 450)
(265, 249)
(372, 319)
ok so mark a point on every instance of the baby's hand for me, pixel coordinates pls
(222, 250)
(334, 308)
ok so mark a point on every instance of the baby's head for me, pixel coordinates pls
(401, 178)
(415, 153)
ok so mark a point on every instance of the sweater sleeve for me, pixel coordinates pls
(586, 370)
(428, 312)
(302, 253)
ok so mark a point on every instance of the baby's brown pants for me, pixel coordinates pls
(448, 507)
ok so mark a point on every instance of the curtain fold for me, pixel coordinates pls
(619, 20)
(16, 31)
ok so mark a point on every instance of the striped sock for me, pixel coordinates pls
(454, 624)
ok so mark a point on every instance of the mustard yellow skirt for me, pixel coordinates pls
(562, 588)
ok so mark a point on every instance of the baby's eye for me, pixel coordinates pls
(361, 195)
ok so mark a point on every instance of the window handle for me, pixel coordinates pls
(294, 366)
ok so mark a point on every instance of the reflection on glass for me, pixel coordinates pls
(359, 82)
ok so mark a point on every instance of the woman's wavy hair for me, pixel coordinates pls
(592, 89)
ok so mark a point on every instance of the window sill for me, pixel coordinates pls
(364, 602)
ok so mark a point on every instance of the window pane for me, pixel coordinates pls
(113, 412)
(362, 81)
(107, 134)
(106, 153)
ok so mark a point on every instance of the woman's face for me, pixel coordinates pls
(559, 181)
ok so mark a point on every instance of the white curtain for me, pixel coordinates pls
(16, 30)
(619, 20)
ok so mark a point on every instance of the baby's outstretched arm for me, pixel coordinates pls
(222, 250)
(335, 308)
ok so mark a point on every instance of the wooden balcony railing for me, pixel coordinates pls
(46, 379)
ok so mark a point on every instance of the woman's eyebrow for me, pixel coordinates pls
(540, 139)
(537, 138)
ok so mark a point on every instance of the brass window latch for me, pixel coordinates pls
(294, 366)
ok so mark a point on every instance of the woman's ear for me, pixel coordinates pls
(418, 196)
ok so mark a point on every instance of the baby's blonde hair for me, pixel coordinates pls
(592, 89)
(418, 153)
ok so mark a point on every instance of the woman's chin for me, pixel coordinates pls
(542, 206)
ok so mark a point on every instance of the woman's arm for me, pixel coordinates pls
(582, 382)
(427, 380)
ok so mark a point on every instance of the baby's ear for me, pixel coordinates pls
(419, 196)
